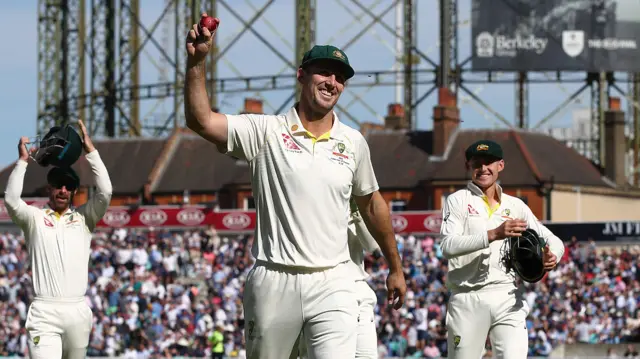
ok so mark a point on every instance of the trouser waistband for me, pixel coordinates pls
(69, 300)
(292, 269)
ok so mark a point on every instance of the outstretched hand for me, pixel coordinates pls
(86, 140)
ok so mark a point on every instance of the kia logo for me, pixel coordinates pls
(190, 217)
(433, 223)
(236, 221)
(116, 218)
(399, 223)
(153, 217)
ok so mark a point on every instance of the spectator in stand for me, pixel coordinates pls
(146, 312)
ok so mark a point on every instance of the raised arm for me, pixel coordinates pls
(200, 118)
(98, 204)
(18, 209)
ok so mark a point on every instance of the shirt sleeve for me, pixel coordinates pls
(98, 204)
(247, 134)
(555, 244)
(17, 208)
(364, 179)
(454, 242)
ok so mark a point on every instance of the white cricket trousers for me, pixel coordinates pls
(367, 342)
(498, 311)
(367, 337)
(280, 303)
(58, 328)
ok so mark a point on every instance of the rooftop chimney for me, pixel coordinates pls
(253, 105)
(615, 143)
(395, 117)
(446, 119)
(366, 127)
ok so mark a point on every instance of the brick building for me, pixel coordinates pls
(416, 169)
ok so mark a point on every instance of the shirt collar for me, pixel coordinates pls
(478, 192)
(295, 126)
(50, 211)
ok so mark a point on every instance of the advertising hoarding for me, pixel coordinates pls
(555, 35)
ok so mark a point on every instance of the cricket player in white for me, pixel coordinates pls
(58, 239)
(360, 240)
(305, 167)
(484, 298)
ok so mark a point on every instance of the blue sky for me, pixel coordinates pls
(18, 64)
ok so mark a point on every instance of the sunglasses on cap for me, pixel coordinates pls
(69, 185)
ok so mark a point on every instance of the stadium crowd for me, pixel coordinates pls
(158, 294)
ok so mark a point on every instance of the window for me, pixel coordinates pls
(398, 205)
(249, 203)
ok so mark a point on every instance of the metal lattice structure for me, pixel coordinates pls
(96, 75)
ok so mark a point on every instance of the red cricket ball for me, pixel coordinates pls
(210, 23)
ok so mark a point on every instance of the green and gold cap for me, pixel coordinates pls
(484, 148)
(328, 52)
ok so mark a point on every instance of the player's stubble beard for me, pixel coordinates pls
(313, 102)
(60, 202)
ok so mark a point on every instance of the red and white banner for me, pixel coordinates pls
(224, 220)
(416, 222)
(179, 217)
(4, 215)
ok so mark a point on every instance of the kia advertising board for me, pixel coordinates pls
(556, 35)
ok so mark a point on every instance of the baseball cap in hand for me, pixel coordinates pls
(484, 148)
(332, 53)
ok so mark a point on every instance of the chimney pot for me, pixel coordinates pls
(614, 103)
(395, 117)
(615, 146)
(446, 119)
(253, 105)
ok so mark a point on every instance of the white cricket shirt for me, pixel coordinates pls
(59, 245)
(473, 261)
(301, 186)
(360, 240)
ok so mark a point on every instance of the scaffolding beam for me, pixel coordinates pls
(305, 32)
(61, 35)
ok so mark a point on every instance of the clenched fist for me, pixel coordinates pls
(199, 41)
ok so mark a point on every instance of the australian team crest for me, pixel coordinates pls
(573, 42)
(341, 147)
(456, 341)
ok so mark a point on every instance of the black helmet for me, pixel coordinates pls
(60, 147)
(525, 256)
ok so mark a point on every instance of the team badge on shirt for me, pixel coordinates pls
(289, 144)
(48, 223)
(338, 150)
(472, 211)
(456, 341)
